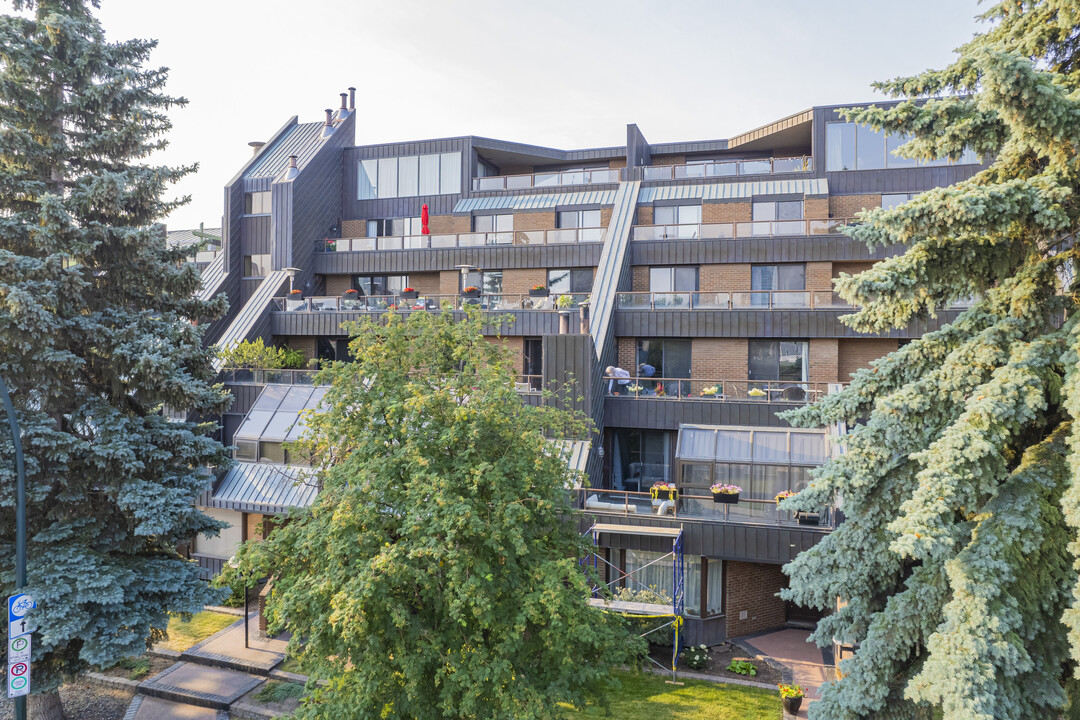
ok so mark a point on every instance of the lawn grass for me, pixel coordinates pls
(648, 697)
(183, 635)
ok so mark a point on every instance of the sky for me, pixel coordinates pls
(560, 73)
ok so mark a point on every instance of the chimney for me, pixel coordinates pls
(328, 129)
(343, 111)
(292, 161)
(291, 171)
(256, 146)
(352, 98)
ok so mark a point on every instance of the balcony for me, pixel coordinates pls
(250, 376)
(562, 236)
(546, 179)
(700, 507)
(493, 302)
(729, 168)
(711, 390)
(751, 229)
(754, 300)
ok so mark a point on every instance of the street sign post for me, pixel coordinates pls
(19, 644)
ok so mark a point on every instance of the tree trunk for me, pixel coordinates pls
(46, 707)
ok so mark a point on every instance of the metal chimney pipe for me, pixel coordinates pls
(329, 117)
(255, 146)
(292, 162)
(343, 95)
(352, 98)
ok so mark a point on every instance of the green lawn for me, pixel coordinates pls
(183, 635)
(648, 697)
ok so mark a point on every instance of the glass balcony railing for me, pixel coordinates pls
(723, 231)
(251, 376)
(494, 302)
(755, 300)
(690, 505)
(713, 390)
(546, 179)
(562, 236)
(729, 168)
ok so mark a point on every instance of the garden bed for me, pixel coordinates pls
(83, 701)
(649, 697)
(720, 657)
(139, 668)
(182, 635)
(277, 697)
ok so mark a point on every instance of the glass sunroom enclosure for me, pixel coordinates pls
(762, 461)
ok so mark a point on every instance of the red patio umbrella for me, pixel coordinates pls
(423, 220)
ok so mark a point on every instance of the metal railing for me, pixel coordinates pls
(546, 179)
(698, 507)
(381, 303)
(712, 390)
(729, 168)
(731, 230)
(249, 376)
(561, 236)
(754, 300)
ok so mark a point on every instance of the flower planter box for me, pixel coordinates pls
(730, 498)
(409, 294)
(808, 518)
(539, 293)
(665, 495)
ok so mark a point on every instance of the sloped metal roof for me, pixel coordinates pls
(212, 276)
(264, 488)
(733, 191)
(183, 238)
(538, 201)
(300, 140)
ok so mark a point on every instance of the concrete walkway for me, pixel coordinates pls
(226, 649)
(788, 647)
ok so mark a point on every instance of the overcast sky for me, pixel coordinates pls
(561, 73)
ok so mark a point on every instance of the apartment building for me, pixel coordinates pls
(701, 271)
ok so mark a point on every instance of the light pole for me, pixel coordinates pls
(20, 514)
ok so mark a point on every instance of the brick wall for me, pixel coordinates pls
(448, 282)
(627, 353)
(644, 215)
(425, 283)
(305, 345)
(338, 284)
(752, 588)
(605, 216)
(514, 344)
(639, 278)
(819, 276)
(668, 160)
(718, 359)
(534, 220)
(251, 526)
(725, 277)
(521, 281)
(448, 224)
(855, 354)
(620, 163)
(814, 208)
(844, 206)
(823, 360)
(726, 212)
(353, 228)
(851, 268)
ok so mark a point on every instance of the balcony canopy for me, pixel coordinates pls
(814, 187)
(264, 488)
(539, 201)
(774, 446)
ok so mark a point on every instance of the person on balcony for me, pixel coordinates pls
(617, 375)
(645, 370)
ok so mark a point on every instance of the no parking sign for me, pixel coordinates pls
(18, 646)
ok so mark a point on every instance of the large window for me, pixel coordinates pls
(675, 285)
(783, 216)
(376, 285)
(783, 360)
(778, 285)
(490, 282)
(256, 265)
(579, 218)
(571, 280)
(409, 176)
(257, 203)
(641, 458)
(647, 569)
(891, 200)
(393, 227)
(857, 147)
(663, 358)
(532, 362)
(503, 223)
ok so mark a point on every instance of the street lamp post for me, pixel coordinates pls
(20, 514)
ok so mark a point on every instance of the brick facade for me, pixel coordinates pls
(252, 521)
(845, 206)
(627, 354)
(449, 282)
(449, 224)
(815, 208)
(819, 276)
(544, 220)
(605, 216)
(514, 344)
(644, 215)
(338, 284)
(855, 354)
(823, 356)
(668, 160)
(305, 344)
(725, 277)
(752, 588)
(850, 267)
(353, 228)
(726, 212)
(639, 278)
(519, 282)
(719, 359)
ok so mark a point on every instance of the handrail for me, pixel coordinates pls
(559, 236)
(729, 168)
(262, 376)
(698, 507)
(555, 178)
(492, 302)
(712, 389)
(752, 300)
(748, 229)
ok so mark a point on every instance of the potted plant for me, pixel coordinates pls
(350, 300)
(724, 493)
(471, 292)
(807, 518)
(663, 491)
(712, 391)
(783, 495)
(295, 300)
(635, 388)
(755, 392)
(660, 390)
(408, 294)
(791, 696)
(329, 245)
(540, 291)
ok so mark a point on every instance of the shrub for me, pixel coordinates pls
(138, 666)
(742, 667)
(235, 584)
(259, 356)
(278, 691)
(696, 657)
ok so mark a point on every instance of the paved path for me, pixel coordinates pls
(144, 707)
(226, 649)
(788, 646)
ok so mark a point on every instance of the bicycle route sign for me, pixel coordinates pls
(18, 645)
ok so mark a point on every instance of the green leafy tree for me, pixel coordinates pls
(437, 573)
(257, 355)
(95, 337)
(956, 565)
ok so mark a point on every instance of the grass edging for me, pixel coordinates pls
(117, 683)
(709, 678)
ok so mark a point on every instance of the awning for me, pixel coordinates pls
(814, 187)
(540, 201)
(264, 488)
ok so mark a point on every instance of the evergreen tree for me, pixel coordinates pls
(956, 567)
(96, 335)
(437, 574)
